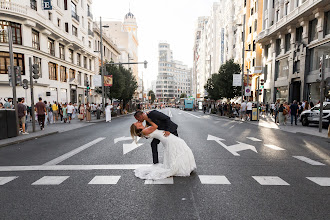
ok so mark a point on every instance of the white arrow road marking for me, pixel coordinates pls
(73, 152)
(253, 139)
(122, 139)
(322, 181)
(309, 161)
(129, 147)
(233, 148)
(273, 147)
(7, 179)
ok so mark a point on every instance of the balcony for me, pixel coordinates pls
(89, 14)
(12, 7)
(91, 33)
(75, 16)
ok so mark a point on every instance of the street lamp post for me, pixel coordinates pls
(102, 70)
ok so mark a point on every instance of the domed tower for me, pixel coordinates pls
(130, 24)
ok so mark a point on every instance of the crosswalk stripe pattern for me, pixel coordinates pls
(253, 139)
(270, 180)
(208, 179)
(160, 182)
(51, 180)
(322, 181)
(7, 179)
(204, 179)
(105, 180)
(309, 161)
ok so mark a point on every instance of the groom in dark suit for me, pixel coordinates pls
(163, 122)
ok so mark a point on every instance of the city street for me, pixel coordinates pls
(244, 171)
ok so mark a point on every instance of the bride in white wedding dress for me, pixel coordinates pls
(178, 157)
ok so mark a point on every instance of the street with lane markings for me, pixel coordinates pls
(244, 171)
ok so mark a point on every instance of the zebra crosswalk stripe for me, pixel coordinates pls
(270, 180)
(7, 179)
(51, 180)
(101, 180)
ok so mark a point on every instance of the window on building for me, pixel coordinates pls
(50, 16)
(33, 5)
(72, 74)
(287, 8)
(52, 69)
(74, 31)
(266, 51)
(327, 23)
(85, 62)
(66, 27)
(244, 3)
(65, 4)
(90, 44)
(58, 22)
(37, 60)
(253, 62)
(287, 42)
(51, 46)
(299, 33)
(250, 29)
(79, 78)
(35, 39)
(273, 3)
(277, 15)
(83, 21)
(5, 62)
(313, 30)
(255, 25)
(71, 55)
(16, 30)
(249, 47)
(90, 64)
(85, 79)
(61, 51)
(296, 66)
(254, 46)
(63, 74)
(78, 59)
(278, 47)
(251, 11)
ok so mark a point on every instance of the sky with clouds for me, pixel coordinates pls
(171, 21)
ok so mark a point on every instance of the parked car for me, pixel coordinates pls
(312, 116)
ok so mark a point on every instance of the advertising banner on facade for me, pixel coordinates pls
(47, 5)
(108, 80)
(237, 80)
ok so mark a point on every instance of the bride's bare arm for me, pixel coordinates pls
(151, 128)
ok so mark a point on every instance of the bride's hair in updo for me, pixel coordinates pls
(135, 132)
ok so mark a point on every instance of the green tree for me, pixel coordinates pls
(220, 84)
(152, 96)
(130, 85)
(183, 95)
(118, 82)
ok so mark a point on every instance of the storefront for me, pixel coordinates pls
(282, 93)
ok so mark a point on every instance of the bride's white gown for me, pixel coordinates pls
(178, 159)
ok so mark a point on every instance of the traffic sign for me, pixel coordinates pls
(248, 91)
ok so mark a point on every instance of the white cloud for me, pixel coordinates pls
(172, 21)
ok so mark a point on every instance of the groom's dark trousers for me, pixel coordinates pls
(164, 123)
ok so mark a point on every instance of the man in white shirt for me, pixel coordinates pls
(249, 110)
(70, 109)
(243, 110)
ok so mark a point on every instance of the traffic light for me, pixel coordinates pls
(86, 92)
(260, 92)
(262, 83)
(35, 71)
(25, 84)
(320, 68)
(87, 85)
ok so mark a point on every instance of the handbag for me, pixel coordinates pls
(81, 116)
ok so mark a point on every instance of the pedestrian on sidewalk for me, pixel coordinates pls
(108, 112)
(88, 113)
(40, 108)
(81, 115)
(294, 112)
(55, 112)
(50, 113)
(60, 111)
(65, 113)
(249, 111)
(21, 114)
(243, 111)
(204, 108)
(1, 105)
(280, 114)
(277, 106)
(70, 110)
(8, 104)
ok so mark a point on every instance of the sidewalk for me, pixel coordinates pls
(50, 129)
(269, 122)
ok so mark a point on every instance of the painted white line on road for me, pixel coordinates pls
(160, 182)
(73, 152)
(7, 179)
(270, 180)
(253, 139)
(51, 180)
(104, 180)
(192, 114)
(309, 161)
(273, 147)
(116, 140)
(322, 181)
(73, 167)
(208, 179)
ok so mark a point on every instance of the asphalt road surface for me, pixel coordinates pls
(243, 172)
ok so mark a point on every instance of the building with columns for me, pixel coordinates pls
(295, 35)
(173, 79)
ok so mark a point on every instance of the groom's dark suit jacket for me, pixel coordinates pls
(163, 121)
